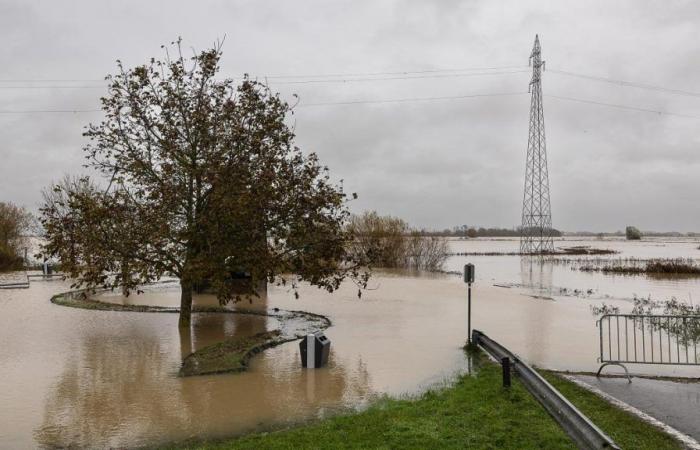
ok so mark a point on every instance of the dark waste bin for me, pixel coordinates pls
(314, 349)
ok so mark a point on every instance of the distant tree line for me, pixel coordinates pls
(474, 232)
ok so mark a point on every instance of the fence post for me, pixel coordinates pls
(505, 365)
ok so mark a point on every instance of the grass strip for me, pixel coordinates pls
(231, 355)
(476, 412)
(627, 430)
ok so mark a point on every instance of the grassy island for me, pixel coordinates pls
(231, 355)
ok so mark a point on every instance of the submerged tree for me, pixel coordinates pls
(632, 233)
(390, 242)
(202, 180)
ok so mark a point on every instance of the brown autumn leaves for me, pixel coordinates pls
(201, 179)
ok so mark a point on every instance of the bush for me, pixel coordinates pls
(9, 260)
(15, 223)
(389, 242)
(633, 234)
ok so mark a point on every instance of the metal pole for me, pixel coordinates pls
(505, 365)
(469, 313)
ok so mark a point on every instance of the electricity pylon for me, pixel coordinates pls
(536, 231)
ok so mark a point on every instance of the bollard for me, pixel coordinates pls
(505, 365)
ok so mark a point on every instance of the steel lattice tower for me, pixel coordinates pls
(536, 231)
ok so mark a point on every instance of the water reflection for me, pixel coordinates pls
(537, 274)
(122, 389)
(111, 389)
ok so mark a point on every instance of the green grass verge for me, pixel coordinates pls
(627, 430)
(476, 413)
(231, 355)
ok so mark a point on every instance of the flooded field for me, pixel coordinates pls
(550, 277)
(81, 378)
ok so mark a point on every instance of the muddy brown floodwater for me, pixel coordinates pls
(73, 377)
(79, 378)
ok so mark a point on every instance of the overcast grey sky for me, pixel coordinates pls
(435, 163)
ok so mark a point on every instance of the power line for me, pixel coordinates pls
(48, 80)
(331, 80)
(455, 75)
(626, 83)
(613, 105)
(49, 111)
(326, 75)
(54, 87)
(372, 76)
(400, 72)
(403, 100)
(409, 99)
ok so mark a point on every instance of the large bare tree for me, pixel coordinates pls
(201, 179)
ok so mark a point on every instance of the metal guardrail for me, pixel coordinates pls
(582, 431)
(648, 339)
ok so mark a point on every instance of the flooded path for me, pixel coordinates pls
(72, 377)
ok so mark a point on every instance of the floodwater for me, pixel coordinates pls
(548, 278)
(72, 377)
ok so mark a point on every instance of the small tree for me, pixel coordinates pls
(633, 234)
(15, 223)
(202, 179)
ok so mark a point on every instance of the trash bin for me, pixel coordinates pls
(314, 349)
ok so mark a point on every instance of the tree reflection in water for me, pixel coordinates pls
(123, 390)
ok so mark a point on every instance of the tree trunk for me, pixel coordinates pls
(185, 303)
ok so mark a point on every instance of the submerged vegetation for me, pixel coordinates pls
(389, 242)
(632, 266)
(476, 412)
(685, 328)
(564, 251)
(633, 234)
(231, 355)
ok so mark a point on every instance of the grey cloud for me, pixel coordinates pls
(436, 164)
